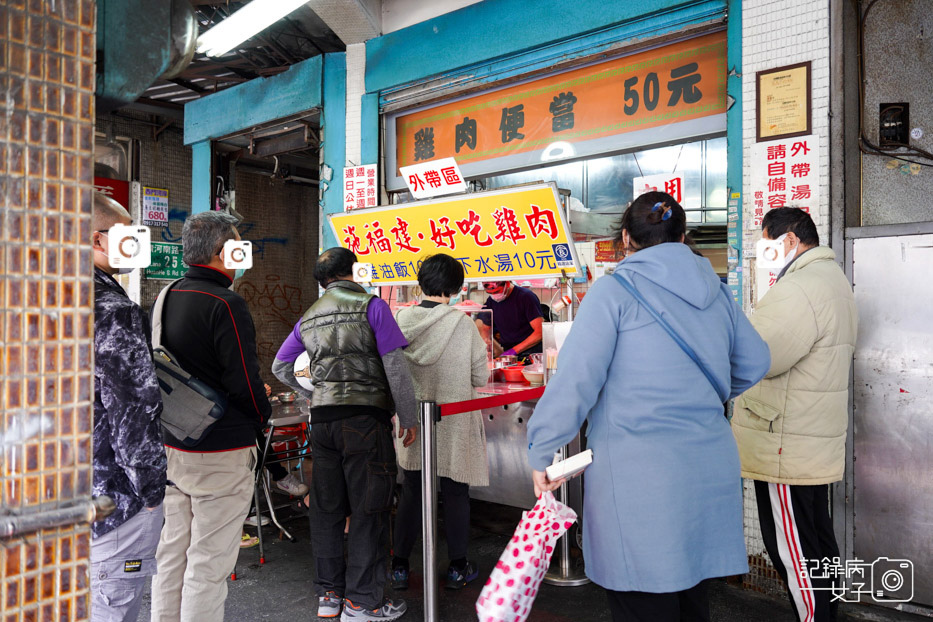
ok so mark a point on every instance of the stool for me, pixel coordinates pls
(294, 444)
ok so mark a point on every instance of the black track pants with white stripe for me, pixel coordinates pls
(798, 531)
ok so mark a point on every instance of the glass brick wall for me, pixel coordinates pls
(47, 52)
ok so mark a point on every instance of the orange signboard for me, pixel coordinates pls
(678, 82)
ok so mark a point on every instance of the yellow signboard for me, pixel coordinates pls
(518, 233)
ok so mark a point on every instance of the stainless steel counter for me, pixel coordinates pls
(507, 453)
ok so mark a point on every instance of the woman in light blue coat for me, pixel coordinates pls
(663, 497)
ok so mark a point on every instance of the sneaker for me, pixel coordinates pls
(292, 485)
(329, 605)
(389, 610)
(400, 578)
(251, 520)
(456, 579)
(247, 541)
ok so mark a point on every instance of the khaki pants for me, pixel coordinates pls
(198, 548)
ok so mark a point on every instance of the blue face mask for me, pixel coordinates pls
(455, 299)
(239, 272)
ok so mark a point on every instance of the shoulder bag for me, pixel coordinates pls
(190, 408)
(670, 331)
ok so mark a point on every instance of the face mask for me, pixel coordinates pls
(790, 256)
(239, 272)
(455, 299)
(502, 295)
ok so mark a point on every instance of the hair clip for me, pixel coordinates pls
(666, 214)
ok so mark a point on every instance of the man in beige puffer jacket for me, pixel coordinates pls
(791, 427)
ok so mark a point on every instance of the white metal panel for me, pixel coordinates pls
(893, 471)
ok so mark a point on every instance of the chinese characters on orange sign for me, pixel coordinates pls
(515, 233)
(359, 187)
(679, 82)
(434, 178)
(786, 173)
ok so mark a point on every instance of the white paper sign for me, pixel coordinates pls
(359, 187)
(786, 173)
(155, 207)
(673, 184)
(434, 178)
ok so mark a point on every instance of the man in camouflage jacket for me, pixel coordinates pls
(129, 459)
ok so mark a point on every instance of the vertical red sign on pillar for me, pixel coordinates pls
(360, 189)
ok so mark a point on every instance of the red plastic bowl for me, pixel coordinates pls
(514, 374)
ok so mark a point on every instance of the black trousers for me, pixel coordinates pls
(354, 473)
(798, 533)
(691, 605)
(456, 497)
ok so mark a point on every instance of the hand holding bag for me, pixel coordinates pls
(190, 408)
(511, 589)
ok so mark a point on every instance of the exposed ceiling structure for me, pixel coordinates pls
(293, 39)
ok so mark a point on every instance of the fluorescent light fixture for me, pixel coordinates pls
(248, 21)
(558, 151)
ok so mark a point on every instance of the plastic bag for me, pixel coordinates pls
(514, 582)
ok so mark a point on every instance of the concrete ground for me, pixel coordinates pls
(281, 590)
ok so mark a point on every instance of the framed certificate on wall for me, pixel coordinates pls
(783, 108)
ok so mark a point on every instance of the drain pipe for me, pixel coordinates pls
(12, 525)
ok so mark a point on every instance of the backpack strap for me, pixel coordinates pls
(157, 314)
(670, 331)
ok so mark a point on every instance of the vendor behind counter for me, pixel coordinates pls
(516, 315)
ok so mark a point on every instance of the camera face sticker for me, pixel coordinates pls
(238, 254)
(770, 254)
(129, 246)
(363, 272)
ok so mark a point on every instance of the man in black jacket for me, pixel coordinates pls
(129, 460)
(209, 329)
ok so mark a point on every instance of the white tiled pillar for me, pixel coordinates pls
(356, 84)
(777, 33)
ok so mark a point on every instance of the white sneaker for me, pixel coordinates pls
(292, 485)
(251, 520)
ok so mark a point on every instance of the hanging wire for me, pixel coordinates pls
(677, 161)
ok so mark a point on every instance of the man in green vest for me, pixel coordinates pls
(360, 377)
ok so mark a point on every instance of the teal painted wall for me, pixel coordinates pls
(334, 122)
(734, 139)
(478, 44)
(258, 101)
(494, 29)
(201, 176)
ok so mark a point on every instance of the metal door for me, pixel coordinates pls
(893, 393)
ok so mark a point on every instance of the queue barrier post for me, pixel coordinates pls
(430, 415)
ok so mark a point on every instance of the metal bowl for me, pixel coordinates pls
(287, 397)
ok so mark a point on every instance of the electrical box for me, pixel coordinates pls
(893, 125)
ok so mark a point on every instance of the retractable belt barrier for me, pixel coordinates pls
(431, 414)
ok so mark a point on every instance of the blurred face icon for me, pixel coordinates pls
(128, 247)
(238, 255)
(494, 287)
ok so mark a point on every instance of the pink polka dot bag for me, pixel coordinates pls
(514, 582)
